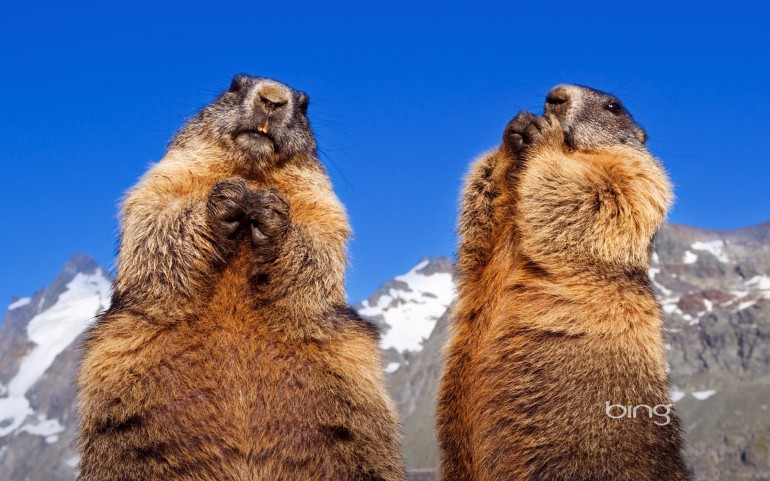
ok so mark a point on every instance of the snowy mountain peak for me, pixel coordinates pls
(408, 306)
(77, 264)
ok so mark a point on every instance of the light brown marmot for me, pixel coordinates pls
(229, 351)
(556, 328)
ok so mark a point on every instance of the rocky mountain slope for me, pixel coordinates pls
(714, 288)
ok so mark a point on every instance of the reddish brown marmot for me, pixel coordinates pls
(229, 351)
(556, 328)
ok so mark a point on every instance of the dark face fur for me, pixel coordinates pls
(593, 119)
(259, 120)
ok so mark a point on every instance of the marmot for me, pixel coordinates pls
(229, 351)
(556, 328)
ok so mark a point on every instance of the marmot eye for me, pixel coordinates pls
(614, 107)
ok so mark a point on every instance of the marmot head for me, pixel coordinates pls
(592, 119)
(259, 121)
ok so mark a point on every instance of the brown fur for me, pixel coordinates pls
(555, 315)
(223, 358)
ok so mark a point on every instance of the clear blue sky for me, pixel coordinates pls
(403, 96)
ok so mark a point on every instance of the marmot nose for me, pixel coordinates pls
(558, 96)
(272, 96)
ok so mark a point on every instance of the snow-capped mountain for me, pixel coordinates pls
(407, 308)
(410, 304)
(37, 363)
(714, 289)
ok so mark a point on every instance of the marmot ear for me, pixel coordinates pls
(641, 135)
(238, 82)
(303, 101)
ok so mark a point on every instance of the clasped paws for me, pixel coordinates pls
(233, 208)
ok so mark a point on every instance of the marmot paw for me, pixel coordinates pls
(268, 215)
(226, 206)
(526, 130)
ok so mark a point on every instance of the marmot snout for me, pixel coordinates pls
(256, 117)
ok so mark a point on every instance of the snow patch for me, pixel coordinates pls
(669, 305)
(14, 409)
(72, 462)
(48, 427)
(689, 257)
(653, 272)
(392, 367)
(702, 395)
(745, 305)
(677, 396)
(760, 283)
(669, 308)
(716, 248)
(19, 303)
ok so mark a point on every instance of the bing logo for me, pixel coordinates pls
(630, 411)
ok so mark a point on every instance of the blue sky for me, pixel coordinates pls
(404, 95)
